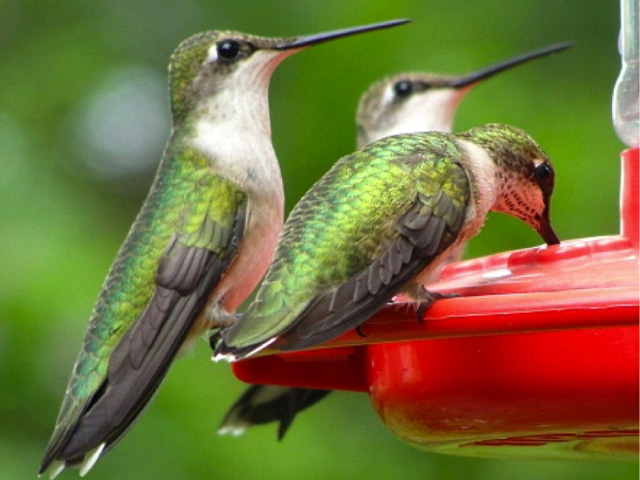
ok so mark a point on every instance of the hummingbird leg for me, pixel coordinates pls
(426, 298)
(218, 318)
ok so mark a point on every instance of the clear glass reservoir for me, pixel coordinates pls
(625, 93)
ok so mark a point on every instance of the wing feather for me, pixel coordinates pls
(186, 275)
(426, 230)
(367, 228)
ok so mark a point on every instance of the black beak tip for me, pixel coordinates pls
(484, 73)
(552, 239)
(308, 40)
(547, 233)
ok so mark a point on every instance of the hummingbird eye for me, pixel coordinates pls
(544, 177)
(403, 88)
(228, 50)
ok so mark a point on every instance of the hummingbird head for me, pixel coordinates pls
(407, 103)
(524, 175)
(229, 65)
(421, 102)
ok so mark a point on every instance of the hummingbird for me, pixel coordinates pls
(199, 245)
(378, 222)
(401, 103)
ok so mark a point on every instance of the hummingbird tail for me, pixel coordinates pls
(262, 404)
(85, 463)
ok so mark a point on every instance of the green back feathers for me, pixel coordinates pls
(186, 62)
(345, 222)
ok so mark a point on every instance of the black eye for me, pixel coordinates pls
(544, 173)
(228, 49)
(403, 88)
(544, 177)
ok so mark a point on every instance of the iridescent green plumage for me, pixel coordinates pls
(379, 220)
(189, 209)
(187, 202)
(367, 206)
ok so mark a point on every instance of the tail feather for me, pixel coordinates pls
(263, 404)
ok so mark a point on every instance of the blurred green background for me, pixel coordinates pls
(83, 120)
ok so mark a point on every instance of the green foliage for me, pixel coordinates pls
(64, 218)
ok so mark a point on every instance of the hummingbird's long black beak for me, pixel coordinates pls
(308, 40)
(487, 72)
(545, 230)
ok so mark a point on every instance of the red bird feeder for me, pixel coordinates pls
(538, 357)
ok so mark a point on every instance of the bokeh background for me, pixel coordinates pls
(83, 120)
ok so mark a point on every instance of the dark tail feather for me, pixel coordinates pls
(262, 404)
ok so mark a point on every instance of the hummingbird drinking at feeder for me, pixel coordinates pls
(200, 244)
(401, 103)
(379, 222)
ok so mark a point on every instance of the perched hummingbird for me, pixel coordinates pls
(200, 244)
(402, 103)
(379, 221)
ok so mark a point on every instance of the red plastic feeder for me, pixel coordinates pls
(537, 358)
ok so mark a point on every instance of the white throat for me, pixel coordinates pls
(487, 187)
(430, 111)
(233, 128)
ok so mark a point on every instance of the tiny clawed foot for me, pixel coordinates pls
(218, 320)
(428, 299)
(422, 309)
(225, 322)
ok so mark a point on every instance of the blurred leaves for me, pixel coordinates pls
(77, 78)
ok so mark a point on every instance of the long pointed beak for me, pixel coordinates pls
(308, 40)
(487, 72)
(546, 231)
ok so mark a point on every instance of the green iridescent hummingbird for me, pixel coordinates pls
(200, 244)
(401, 103)
(379, 222)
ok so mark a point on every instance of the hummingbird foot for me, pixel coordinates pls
(218, 318)
(426, 298)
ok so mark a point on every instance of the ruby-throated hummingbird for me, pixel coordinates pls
(200, 244)
(378, 222)
(402, 103)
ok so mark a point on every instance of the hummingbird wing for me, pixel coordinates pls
(188, 270)
(260, 404)
(427, 229)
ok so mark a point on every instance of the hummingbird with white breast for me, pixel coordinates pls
(379, 222)
(401, 103)
(199, 245)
